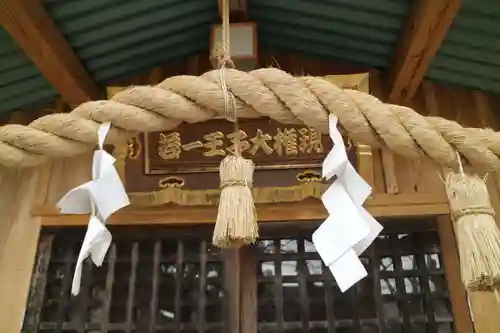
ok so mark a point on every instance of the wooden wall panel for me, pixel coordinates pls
(397, 175)
(20, 190)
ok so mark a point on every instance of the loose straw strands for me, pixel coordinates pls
(236, 218)
(477, 234)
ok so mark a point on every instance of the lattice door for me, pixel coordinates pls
(155, 281)
(406, 290)
(166, 281)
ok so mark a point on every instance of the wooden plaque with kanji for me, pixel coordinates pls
(284, 155)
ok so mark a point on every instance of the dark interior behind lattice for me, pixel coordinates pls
(153, 282)
(405, 291)
(167, 280)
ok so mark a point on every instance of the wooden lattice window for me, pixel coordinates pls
(173, 281)
(405, 291)
(152, 282)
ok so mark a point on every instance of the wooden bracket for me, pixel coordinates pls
(43, 42)
(426, 28)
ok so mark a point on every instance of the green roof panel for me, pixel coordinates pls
(360, 31)
(21, 83)
(470, 53)
(116, 39)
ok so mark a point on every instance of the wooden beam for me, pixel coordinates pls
(426, 27)
(382, 205)
(37, 34)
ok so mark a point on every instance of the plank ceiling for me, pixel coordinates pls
(470, 53)
(21, 83)
(361, 31)
(117, 39)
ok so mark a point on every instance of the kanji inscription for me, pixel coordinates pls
(283, 142)
(200, 147)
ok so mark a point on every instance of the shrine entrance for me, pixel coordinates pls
(168, 280)
(163, 275)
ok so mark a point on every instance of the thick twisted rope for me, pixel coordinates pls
(264, 92)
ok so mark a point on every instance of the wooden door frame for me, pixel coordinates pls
(245, 304)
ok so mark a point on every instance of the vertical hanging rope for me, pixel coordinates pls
(236, 223)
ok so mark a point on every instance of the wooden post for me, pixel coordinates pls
(458, 296)
(18, 245)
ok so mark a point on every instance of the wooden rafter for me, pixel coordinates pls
(425, 30)
(37, 34)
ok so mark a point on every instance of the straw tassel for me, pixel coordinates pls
(236, 223)
(477, 234)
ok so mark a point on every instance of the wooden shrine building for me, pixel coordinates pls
(162, 274)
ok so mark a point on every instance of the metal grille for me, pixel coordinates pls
(405, 291)
(150, 282)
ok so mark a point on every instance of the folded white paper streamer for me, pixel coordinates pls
(348, 270)
(344, 228)
(337, 163)
(348, 220)
(105, 188)
(100, 197)
(96, 243)
(339, 234)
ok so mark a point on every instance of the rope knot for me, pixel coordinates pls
(220, 57)
(225, 62)
(235, 182)
(472, 210)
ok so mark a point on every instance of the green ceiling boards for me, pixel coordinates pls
(118, 39)
(114, 39)
(470, 53)
(359, 31)
(21, 83)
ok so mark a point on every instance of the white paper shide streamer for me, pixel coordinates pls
(100, 197)
(349, 229)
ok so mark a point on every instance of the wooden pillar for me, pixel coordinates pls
(458, 295)
(242, 290)
(484, 305)
(485, 310)
(21, 190)
(19, 242)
